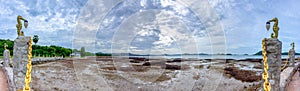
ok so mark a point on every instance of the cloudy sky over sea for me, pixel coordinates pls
(153, 26)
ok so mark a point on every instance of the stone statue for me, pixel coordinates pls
(19, 25)
(271, 51)
(292, 55)
(22, 49)
(6, 57)
(293, 45)
(275, 27)
(8, 70)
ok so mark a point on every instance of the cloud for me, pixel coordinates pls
(93, 24)
(212, 26)
(88, 21)
(52, 20)
(244, 22)
(148, 25)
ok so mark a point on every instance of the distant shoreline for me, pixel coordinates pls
(199, 57)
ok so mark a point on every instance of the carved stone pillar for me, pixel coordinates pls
(273, 50)
(20, 57)
(292, 58)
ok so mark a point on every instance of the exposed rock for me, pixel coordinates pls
(243, 75)
(147, 64)
(175, 60)
(173, 67)
(251, 60)
(158, 63)
(138, 60)
(135, 61)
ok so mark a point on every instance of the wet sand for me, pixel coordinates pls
(106, 74)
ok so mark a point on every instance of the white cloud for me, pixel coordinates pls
(166, 28)
(88, 23)
(53, 21)
(166, 3)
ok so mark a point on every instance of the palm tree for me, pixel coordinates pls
(35, 40)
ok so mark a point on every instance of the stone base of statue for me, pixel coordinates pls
(20, 57)
(292, 58)
(273, 49)
(8, 71)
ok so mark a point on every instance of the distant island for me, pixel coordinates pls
(132, 54)
(284, 53)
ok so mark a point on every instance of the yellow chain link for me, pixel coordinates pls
(28, 72)
(286, 62)
(267, 86)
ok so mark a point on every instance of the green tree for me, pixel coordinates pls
(42, 50)
(35, 40)
(82, 51)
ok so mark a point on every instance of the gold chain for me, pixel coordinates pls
(286, 61)
(28, 72)
(267, 86)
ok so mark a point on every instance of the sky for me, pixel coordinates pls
(154, 26)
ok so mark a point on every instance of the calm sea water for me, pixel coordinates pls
(212, 56)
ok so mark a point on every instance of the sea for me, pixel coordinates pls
(237, 57)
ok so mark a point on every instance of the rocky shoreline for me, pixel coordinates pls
(136, 74)
(139, 74)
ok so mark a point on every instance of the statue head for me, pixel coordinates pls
(293, 45)
(20, 17)
(25, 21)
(5, 45)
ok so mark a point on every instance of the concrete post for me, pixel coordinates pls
(273, 49)
(20, 57)
(292, 58)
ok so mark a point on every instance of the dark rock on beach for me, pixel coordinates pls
(138, 60)
(175, 60)
(243, 75)
(173, 67)
(157, 63)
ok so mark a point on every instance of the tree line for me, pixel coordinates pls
(37, 50)
(49, 51)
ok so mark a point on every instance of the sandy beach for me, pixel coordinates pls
(136, 74)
